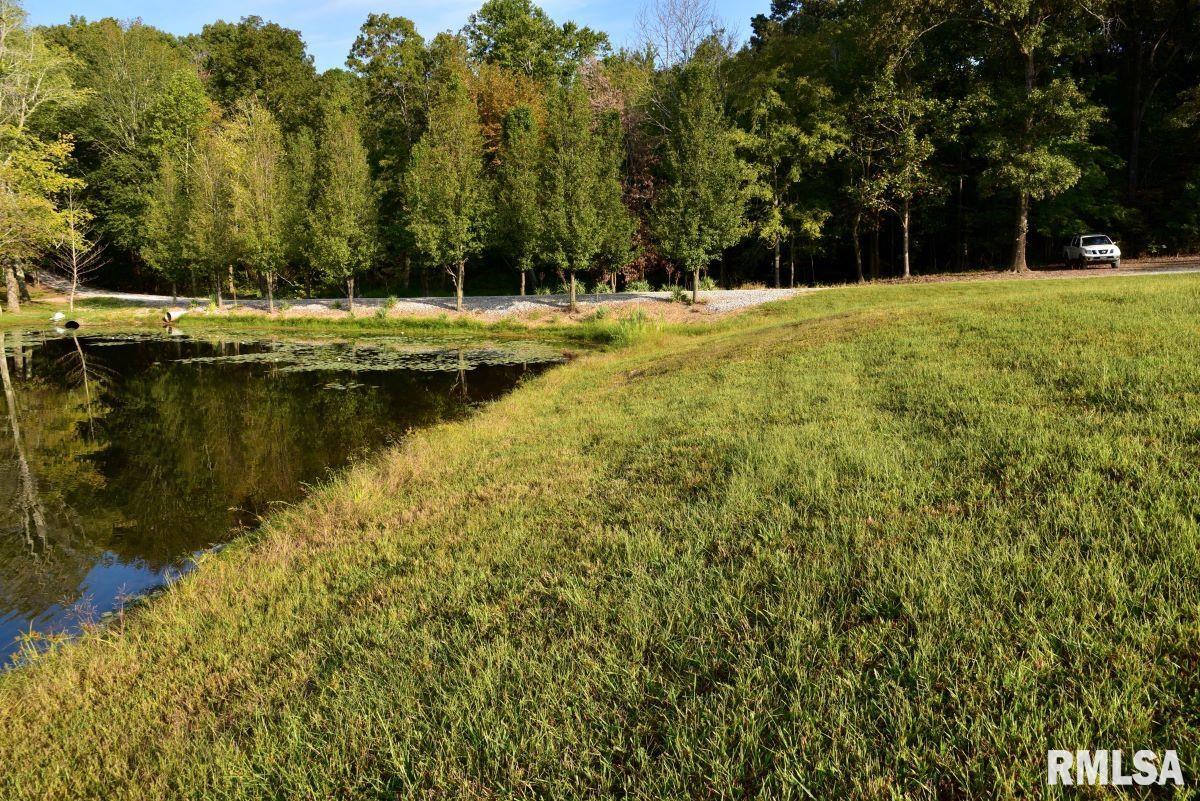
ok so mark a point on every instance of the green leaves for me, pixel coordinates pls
(448, 198)
(342, 225)
(702, 203)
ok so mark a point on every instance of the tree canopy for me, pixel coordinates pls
(874, 138)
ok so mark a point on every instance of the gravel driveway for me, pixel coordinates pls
(492, 305)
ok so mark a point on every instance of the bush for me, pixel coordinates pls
(640, 285)
(337, 305)
(680, 295)
(707, 283)
(543, 290)
(600, 288)
(284, 305)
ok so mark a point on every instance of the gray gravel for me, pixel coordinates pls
(492, 305)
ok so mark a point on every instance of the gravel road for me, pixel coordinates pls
(717, 301)
(490, 305)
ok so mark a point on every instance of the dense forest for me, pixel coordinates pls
(845, 140)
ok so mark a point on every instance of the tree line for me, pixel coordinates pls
(847, 139)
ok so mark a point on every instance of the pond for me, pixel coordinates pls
(122, 457)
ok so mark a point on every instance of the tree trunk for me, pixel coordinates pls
(14, 293)
(522, 283)
(1022, 233)
(270, 282)
(778, 285)
(695, 286)
(904, 226)
(217, 286)
(724, 282)
(858, 265)
(1136, 112)
(232, 287)
(350, 295)
(572, 306)
(71, 297)
(961, 225)
(23, 285)
(875, 247)
(174, 293)
(458, 285)
(792, 263)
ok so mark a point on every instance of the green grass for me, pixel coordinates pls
(92, 312)
(615, 329)
(889, 542)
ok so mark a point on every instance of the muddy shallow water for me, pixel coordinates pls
(123, 456)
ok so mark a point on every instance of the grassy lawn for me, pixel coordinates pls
(873, 542)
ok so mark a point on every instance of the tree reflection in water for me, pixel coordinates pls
(130, 455)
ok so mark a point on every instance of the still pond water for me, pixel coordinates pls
(122, 457)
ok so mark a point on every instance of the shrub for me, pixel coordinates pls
(707, 283)
(640, 285)
(600, 288)
(337, 305)
(680, 295)
(543, 290)
(630, 328)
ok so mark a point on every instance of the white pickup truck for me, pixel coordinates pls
(1090, 248)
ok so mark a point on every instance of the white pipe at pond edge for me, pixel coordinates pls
(171, 315)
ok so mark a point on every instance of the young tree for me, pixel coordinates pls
(394, 63)
(258, 193)
(79, 255)
(448, 198)
(343, 220)
(701, 206)
(209, 237)
(518, 195)
(300, 166)
(165, 242)
(581, 189)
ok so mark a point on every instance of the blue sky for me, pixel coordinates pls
(329, 26)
